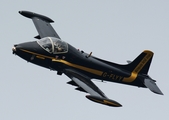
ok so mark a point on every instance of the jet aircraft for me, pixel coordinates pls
(51, 52)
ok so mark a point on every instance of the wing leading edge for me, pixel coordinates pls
(42, 24)
(86, 85)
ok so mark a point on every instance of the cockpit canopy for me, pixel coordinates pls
(53, 45)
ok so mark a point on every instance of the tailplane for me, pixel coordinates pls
(149, 83)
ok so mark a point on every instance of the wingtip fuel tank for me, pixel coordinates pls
(104, 101)
(32, 15)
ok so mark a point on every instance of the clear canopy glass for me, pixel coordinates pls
(53, 45)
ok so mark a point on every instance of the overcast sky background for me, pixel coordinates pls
(115, 30)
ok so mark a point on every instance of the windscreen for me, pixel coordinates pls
(53, 45)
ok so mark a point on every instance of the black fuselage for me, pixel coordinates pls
(75, 59)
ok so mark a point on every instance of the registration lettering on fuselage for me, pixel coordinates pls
(112, 76)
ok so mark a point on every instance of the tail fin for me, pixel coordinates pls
(142, 63)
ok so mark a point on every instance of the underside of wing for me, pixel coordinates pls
(77, 87)
(84, 84)
(42, 24)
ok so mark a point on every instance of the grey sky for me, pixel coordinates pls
(115, 30)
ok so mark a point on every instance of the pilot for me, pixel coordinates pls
(59, 49)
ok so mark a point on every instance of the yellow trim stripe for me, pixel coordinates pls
(139, 67)
(37, 54)
(40, 57)
(111, 103)
(106, 102)
(96, 72)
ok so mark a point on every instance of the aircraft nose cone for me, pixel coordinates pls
(20, 12)
(14, 49)
(33, 46)
(26, 46)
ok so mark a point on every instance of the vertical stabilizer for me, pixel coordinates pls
(139, 66)
(142, 63)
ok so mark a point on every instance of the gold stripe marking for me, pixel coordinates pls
(37, 54)
(40, 57)
(139, 67)
(96, 72)
(95, 100)
(111, 103)
(106, 102)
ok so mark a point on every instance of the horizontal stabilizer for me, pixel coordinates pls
(152, 86)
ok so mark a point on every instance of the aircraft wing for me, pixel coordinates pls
(84, 84)
(42, 24)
